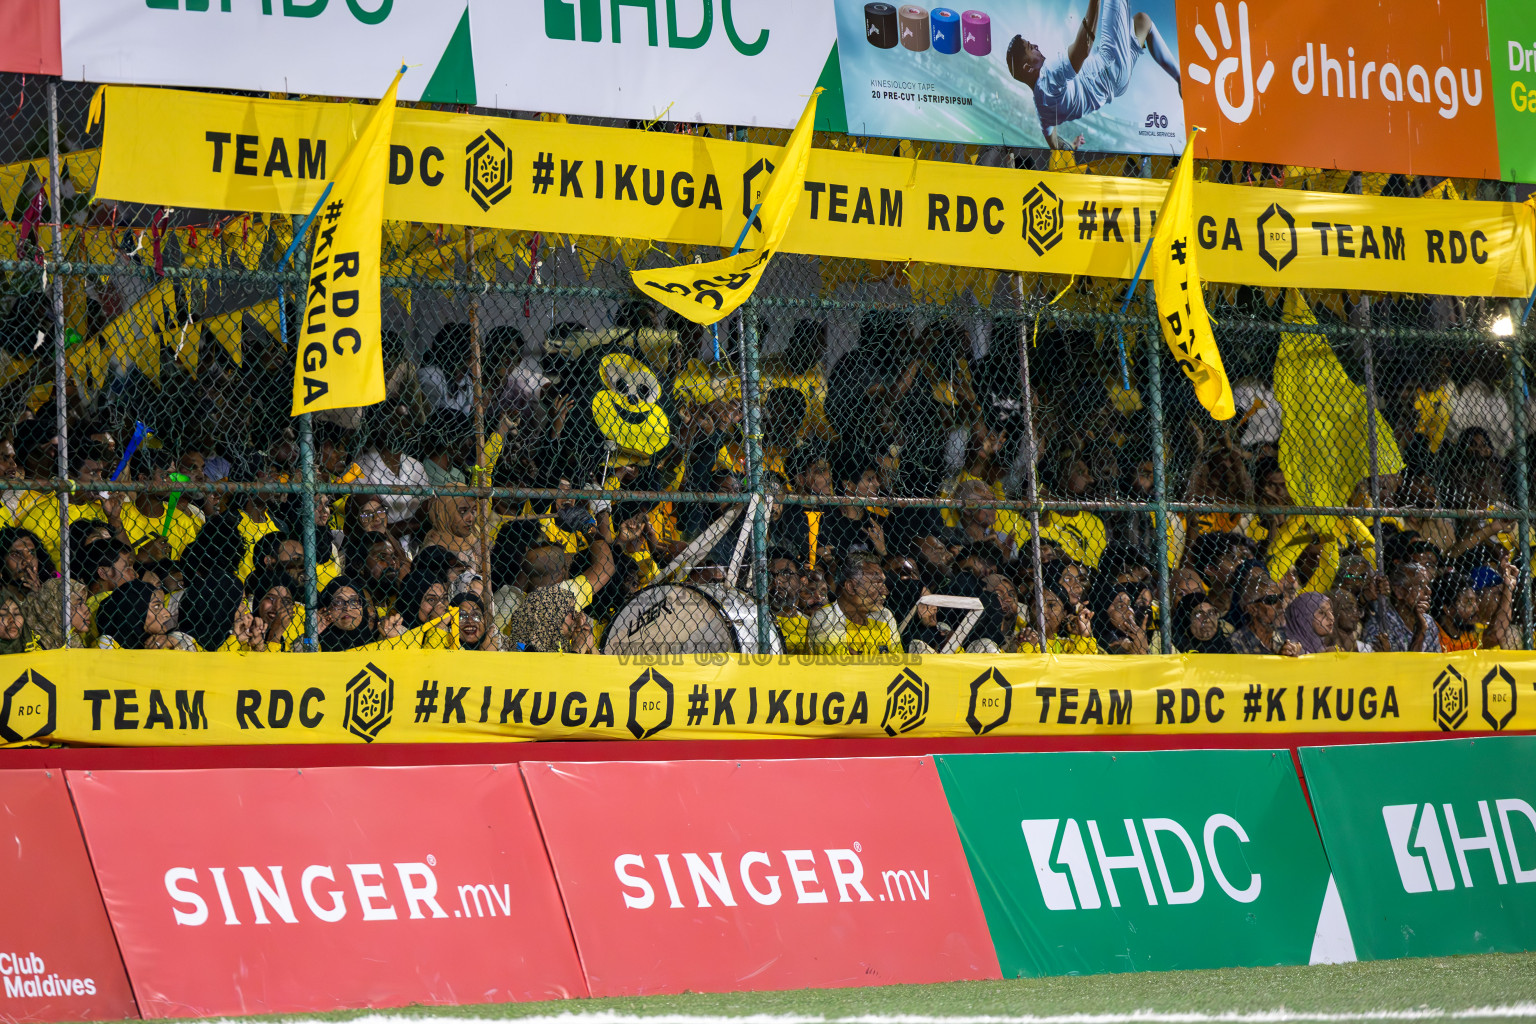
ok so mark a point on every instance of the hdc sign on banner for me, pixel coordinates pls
(1433, 844)
(1153, 860)
(1391, 85)
(285, 891)
(57, 957)
(721, 876)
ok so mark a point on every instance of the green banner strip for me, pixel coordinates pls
(1433, 844)
(1156, 860)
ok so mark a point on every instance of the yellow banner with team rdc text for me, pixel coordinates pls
(195, 150)
(150, 698)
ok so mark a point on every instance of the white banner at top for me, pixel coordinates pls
(751, 62)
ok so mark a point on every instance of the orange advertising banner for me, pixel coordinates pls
(1372, 85)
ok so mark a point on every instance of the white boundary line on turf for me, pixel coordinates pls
(1278, 1016)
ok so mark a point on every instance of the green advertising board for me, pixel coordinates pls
(1152, 860)
(1433, 845)
(1512, 52)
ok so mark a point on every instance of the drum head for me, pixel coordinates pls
(686, 619)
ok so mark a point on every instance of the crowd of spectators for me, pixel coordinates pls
(913, 410)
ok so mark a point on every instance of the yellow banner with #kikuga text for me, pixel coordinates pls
(195, 150)
(155, 698)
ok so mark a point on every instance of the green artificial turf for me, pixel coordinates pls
(1383, 987)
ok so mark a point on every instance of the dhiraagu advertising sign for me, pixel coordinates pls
(1156, 860)
(1512, 51)
(1433, 844)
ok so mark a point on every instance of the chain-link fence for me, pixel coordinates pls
(868, 457)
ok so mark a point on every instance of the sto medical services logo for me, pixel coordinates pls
(487, 169)
(370, 703)
(906, 703)
(1239, 63)
(29, 708)
(1043, 219)
(1450, 699)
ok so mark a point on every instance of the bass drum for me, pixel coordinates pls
(691, 618)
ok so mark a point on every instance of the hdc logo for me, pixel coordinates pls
(1429, 840)
(560, 23)
(1051, 845)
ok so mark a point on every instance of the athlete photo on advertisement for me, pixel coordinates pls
(1094, 71)
(1063, 74)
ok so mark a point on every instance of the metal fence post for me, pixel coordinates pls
(1370, 434)
(1032, 477)
(307, 514)
(1517, 401)
(60, 400)
(482, 477)
(753, 421)
(1159, 481)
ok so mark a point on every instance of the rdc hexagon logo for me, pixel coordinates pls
(906, 703)
(487, 169)
(370, 703)
(1500, 697)
(29, 708)
(650, 704)
(1450, 697)
(991, 702)
(1043, 219)
(1277, 236)
(764, 166)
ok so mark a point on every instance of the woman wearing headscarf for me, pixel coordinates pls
(451, 525)
(422, 602)
(1197, 627)
(474, 634)
(15, 636)
(1309, 621)
(130, 615)
(213, 614)
(44, 610)
(24, 561)
(346, 619)
(1120, 615)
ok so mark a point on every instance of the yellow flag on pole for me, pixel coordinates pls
(707, 293)
(340, 360)
(1180, 299)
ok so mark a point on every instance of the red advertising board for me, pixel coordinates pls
(732, 876)
(29, 37)
(250, 891)
(57, 957)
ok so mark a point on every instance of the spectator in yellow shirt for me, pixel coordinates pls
(144, 516)
(784, 597)
(857, 623)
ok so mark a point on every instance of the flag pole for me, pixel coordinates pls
(714, 329)
(1125, 373)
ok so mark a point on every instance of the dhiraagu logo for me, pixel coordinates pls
(369, 12)
(690, 24)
